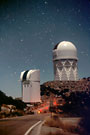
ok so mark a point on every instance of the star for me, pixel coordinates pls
(45, 2)
(50, 39)
(79, 24)
(79, 10)
(15, 73)
(9, 67)
(53, 43)
(13, 20)
(43, 70)
(1, 38)
(58, 10)
(43, 13)
(29, 31)
(21, 40)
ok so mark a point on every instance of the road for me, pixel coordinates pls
(19, 125)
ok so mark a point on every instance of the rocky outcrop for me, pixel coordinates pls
(81, 85)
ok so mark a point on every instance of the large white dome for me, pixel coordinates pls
(65, 50)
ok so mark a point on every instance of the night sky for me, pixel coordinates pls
(29, 29)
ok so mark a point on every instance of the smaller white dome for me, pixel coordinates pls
(65, 50)
(21, 76)
(33, 75)
(30, 75)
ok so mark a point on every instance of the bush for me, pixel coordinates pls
(9, 100)
(4, 114)
(85, 123)
(53, 121)
(17, 113)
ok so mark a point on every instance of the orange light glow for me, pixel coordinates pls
(38, 111)
(46, 108)
(55, 103)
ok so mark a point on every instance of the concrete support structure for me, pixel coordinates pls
(65, 62)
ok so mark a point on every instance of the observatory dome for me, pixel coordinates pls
(64, 50)
(30, 75)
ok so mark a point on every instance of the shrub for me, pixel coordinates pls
(53, 121)
(85, 123)
(17, 113)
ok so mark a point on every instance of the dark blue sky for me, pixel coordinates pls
(29, 29)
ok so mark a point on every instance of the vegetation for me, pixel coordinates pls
(85, 123)
(53, 121)
(62, 127)
(9, 100)
(77, 103)
(11, 114)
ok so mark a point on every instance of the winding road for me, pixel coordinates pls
(19, 125)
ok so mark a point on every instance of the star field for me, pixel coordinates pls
(29, 29)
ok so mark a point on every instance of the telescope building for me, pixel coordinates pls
(65, 61)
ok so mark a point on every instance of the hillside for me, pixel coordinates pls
(9, 100)
(54, 86)
(71, 97)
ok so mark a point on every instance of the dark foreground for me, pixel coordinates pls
(19, 125)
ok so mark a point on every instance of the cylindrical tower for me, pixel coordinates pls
(65, 61)
(30, 81)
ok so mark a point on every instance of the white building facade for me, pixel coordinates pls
(30, 83)
(65, 61)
